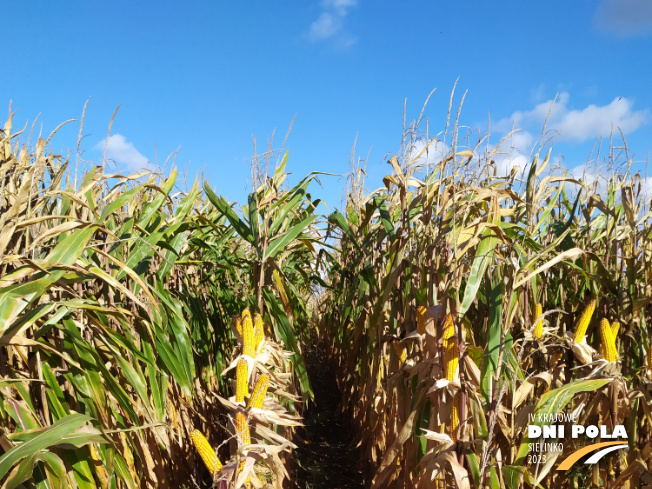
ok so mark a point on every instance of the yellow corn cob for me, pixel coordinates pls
(241, 381)
(258, 394)
(259, 336)
(455, 416)
(604, 336)
(206, 452)
(258, 321)
(259, 331)
(615, 326)
(583, 323)
(247, 334)
(609, 350)
(451, 348)
(242, 427)
(236, 322)
(421, 319)
(538, 327)
(401, 351)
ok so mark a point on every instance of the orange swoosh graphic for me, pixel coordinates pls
(574, 457)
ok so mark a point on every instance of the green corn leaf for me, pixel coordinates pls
(223, 206)
(483, 257)
(51, 436)
(281, 242)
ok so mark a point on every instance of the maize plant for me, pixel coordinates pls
(128, 304)
(116, 298)
(488, 253)
(101, 300)
(269, 367)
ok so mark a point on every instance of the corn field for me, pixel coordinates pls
(153, 334)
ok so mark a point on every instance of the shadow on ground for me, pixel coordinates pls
(326, 456)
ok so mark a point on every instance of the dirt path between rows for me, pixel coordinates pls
(326, 456)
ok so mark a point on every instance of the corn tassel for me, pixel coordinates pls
(421, 319)
(455, 416)
(609, 350)
(258, 394)
(583, 323)
(538, 327)
(451, 349)
(206, 452)
(241, 380)
(247, 334)
(242, 427)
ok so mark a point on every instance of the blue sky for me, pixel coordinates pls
(203, 76)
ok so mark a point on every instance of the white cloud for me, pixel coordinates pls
(330, 23)
(340, 6)
(512, 152)
(646, 188)
(520, 141)
(122, 151)
(595, 121)
(624, 17)
(326, 25)
(597, 179)
(592, 177)
(579, 125)
(431, 155)
(505, 163)
(537, 94)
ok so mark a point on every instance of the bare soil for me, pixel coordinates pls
(326, 456)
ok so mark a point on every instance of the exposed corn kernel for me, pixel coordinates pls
(241, 380)
(242, 427)
(206, 452)
(538, 327)
(259, 392)
(583, 323)
(608, 349)
(248, 347)
(451, 349)
(615, 326)
(455, 416)
(259, 331)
